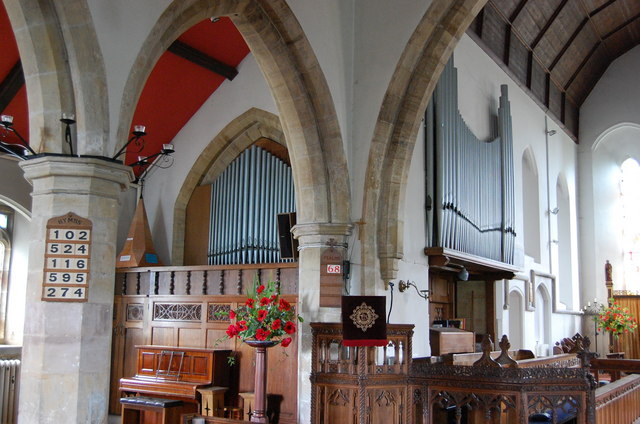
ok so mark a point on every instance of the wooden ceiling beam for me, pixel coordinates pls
(193, 55)
(517, 10)
(10, 86)
(621, 26)
(601, 8)
(548, 24)
(564, 48)
(582, 64)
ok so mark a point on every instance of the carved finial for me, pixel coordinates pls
(504, 359)
(504, 343)
(486, 360)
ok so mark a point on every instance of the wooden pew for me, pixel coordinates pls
(615, 366)
(618, 402)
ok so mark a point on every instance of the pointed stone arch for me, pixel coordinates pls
(401, 113)
(64, 72)
(238, 135)
(306, 109)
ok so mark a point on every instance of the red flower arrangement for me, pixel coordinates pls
(615, 319)
(264, 316)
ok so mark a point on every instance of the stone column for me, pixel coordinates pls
(66, 351)
(313, 240)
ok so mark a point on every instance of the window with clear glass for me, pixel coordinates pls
(630, 201)
(4, 221)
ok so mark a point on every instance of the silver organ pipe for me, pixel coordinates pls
(469, 182)
(245, 201)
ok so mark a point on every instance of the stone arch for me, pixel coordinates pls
(238, 135)
(64, 72)
(396, 130)
(301, 93)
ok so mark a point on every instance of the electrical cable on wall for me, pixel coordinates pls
(391, 302)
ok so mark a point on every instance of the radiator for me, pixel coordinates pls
(9, 378)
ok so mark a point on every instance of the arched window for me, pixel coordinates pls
(630, 201)
(565, 255)
(6, 223)
(516, 326)
(531, 206)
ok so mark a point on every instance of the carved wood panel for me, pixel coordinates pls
(171, 321)
(386, 405)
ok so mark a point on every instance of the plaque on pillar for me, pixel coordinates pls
(66, 259)
(331, 277)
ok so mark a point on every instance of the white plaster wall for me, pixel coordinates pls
(609, 134)
(408, 308)
(15, 190)
(383, 29)
(121, 27)
(18, 280)
(229, 101)
(329, 27)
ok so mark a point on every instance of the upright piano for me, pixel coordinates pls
(175, 373)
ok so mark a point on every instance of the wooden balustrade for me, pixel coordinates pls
(618, 402)
(204, 279)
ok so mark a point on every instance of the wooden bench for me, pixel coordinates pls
(140, 409)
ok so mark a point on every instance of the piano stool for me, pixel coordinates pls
(247, 404)
(212, 401)
(149, 410)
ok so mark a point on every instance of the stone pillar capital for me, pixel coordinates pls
(321, 234)
(76, 175)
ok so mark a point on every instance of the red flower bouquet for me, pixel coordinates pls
(264, 316)
(615, 319)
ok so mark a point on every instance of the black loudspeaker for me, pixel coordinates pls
(288, 245)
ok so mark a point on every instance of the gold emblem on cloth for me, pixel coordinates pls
(364, 316)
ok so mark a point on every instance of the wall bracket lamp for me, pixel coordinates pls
(402, 286)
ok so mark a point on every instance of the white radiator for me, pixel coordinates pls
(9, 377)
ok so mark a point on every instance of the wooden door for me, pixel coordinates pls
(441, 297)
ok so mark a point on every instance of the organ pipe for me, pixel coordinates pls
(469, 182)
(245, 201)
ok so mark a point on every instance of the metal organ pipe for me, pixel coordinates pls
(245, 200)
(472, 179)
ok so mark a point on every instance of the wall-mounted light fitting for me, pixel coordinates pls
(6, 126)
(463, 274)
(551, 132)
(402, 286)
(138, 132)
(554, 211)
(68, 119)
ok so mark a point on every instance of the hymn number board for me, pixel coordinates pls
(66, 259)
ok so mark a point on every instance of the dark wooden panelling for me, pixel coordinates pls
(518, 58)
(571, 116)
(555, 100)
(494, 32)
(282, 365)
(196, 237)
(538, 80)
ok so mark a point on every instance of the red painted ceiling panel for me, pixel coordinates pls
(9, 55)
(177, 88)
(220, 40)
